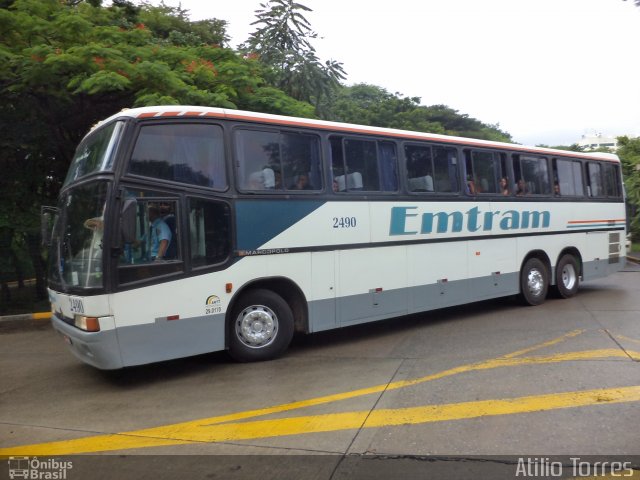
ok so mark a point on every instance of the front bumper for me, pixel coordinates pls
(98, 349)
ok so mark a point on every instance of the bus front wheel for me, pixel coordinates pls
(567, 276)
(261, 326)
(534, 282)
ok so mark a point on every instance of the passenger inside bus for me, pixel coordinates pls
(170, 219)
(521, 188)
(504, 186)
(301, 183)
(160, 235)
(471, 186)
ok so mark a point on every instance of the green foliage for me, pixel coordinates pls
(372, 105)
(570, 148)
(282, 44)
(629, 153)
(66, 64)
(171, 25)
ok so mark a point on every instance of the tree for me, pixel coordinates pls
(629, 153)
(373, 105)
(282, 43)
(172, 25)
(66, 65)
(574, 147)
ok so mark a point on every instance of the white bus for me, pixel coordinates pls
(183, 230)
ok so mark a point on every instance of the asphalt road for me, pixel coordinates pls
(465, 392)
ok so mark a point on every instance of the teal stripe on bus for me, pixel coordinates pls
(259, 221)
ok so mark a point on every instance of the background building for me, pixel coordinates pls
(593, 141)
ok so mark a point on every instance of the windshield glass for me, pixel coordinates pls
(75, 258)
(95, 152)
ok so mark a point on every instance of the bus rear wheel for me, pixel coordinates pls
(534, 282)
(567, 276)
(260, 327)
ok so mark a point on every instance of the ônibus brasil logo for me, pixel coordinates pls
(36, 469)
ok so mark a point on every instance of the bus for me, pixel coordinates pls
(184, 230)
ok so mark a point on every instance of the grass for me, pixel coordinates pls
(24, 300)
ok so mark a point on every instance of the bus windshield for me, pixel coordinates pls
(76, 245)
(95, 152)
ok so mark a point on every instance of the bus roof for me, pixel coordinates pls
(185, 111)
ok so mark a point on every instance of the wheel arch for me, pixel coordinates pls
(540, 255)
(287, 289)
(573, 251)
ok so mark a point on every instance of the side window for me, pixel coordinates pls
(484, 171)
(419, 163)
(445, 167)
(594, 180)
(276, 161)
(532, 175)
(186, 153)
(301, 167)
(209, 232)
(257, 154)
(363, 165)
(568, 178)
(361, 162)
(611, 180)
(149, 236)
(431, 168)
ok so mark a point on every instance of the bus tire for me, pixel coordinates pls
(567, 276)
(260, 327)
(534, 282)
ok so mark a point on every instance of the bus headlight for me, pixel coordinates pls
(88, 324)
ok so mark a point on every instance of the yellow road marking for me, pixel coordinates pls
(181, 434)
(622, 337)
(627, 474)
(555, 341)
(186, 432)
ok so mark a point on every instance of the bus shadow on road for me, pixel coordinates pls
(404, 324)
(179, 369)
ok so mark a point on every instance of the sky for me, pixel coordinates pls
(546, 71)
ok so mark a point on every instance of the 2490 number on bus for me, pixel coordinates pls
(344, 222)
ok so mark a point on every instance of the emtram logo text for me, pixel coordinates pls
(412, 221)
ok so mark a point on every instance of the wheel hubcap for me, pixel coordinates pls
(535, 282)
(569, 276)
(257, 326)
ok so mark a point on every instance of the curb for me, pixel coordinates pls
(26, 317)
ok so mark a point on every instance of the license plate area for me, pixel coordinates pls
(76, 305)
